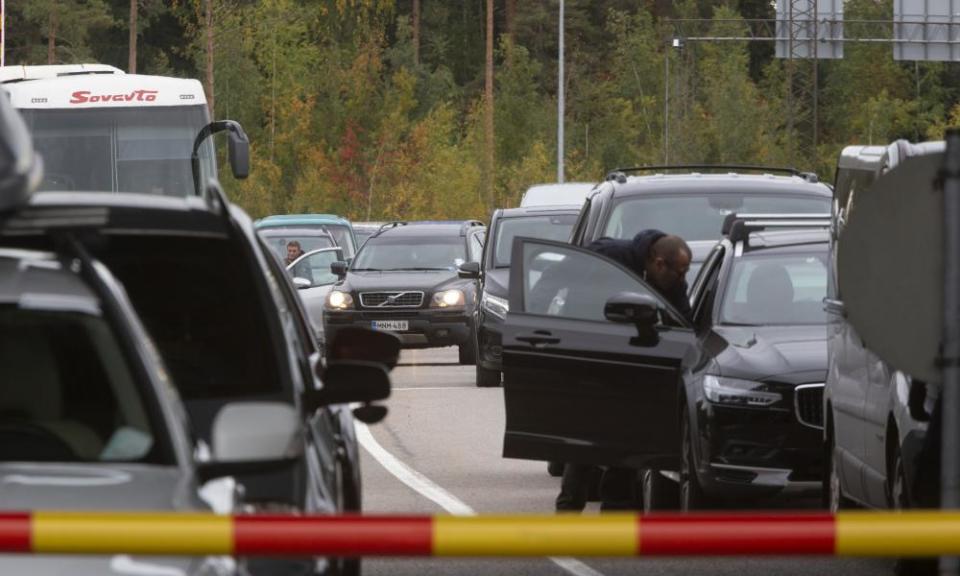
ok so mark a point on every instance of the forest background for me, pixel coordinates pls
(375, 109)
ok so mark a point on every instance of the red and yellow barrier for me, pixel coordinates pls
(847, 534)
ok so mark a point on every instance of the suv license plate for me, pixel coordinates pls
(391, 325)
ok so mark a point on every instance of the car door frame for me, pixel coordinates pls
(564, 444)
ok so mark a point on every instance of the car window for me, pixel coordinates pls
(700, 217)
(67, 393)
(553, 227)
(316, 268)
(411, 253)
(277, 241)
(776, 289)
(553, 282)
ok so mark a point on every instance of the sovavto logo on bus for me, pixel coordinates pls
(85, 96)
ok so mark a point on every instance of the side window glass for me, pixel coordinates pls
(316, 268)
(569, 283)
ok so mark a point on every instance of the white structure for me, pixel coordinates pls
(99, 129)
(556, 194)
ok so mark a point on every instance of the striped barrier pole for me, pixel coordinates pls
(904, 534)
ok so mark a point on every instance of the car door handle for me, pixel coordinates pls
(538, 338)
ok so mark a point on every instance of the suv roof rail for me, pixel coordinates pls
(738, 227)
(620, 174)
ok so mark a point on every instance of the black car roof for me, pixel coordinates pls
(428, 228)
(718, 183)
(40, 277)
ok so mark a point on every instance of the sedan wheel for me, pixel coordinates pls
(659, 493)
(487, 378)
(836, 501)
(691, 494)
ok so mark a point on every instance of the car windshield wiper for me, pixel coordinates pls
(738, 324)
(366, 270)
(419, 268)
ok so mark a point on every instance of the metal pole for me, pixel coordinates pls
(666, 104)
(950, 400)
(560, 103)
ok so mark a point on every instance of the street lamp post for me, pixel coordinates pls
(560, 103)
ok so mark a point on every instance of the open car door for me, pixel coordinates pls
(582, 383)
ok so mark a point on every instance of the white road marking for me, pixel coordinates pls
(440, 496)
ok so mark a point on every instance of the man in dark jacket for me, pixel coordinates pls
(662, 260)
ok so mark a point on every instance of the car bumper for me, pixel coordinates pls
(426, 328)
(746, 452)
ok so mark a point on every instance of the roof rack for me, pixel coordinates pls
(620, 174)
(738, 227)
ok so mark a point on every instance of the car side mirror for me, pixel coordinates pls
(238, 152)
(347, 382)
(641, 310)
(302, 283)
(20, 168)
(339, 268)
(240, 448)
(352, 343)
(469, 270)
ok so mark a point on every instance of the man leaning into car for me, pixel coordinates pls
(663, 261)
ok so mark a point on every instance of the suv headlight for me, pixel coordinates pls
(736, 392)
(495, 305)
(448, 299)
(339, 300)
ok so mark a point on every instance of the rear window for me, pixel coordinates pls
(783, 289)
(280, 241)
(311, 239)
(67, 393)
(548, 227)
(694, 217)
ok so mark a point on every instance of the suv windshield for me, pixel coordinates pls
(411, 253)
(67, 393)
(694, 217)
(120, 149)
(553, 227)
(776, 289)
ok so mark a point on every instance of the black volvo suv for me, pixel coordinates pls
(406, 280)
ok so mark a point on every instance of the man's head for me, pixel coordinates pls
(668, 262)
(294, 251)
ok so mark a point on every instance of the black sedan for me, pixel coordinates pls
(606, 372)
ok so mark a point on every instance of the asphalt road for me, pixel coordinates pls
(443, 435)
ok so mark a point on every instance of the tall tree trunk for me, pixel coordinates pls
(488, 111)
(132, 57)
(209, 82)
(511, 18)
(52, 35)
(416, 31)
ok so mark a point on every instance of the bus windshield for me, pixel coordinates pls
(120, 149)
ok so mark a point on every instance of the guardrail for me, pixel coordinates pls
(914, 533)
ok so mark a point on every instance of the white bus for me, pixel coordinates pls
(99, 129)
